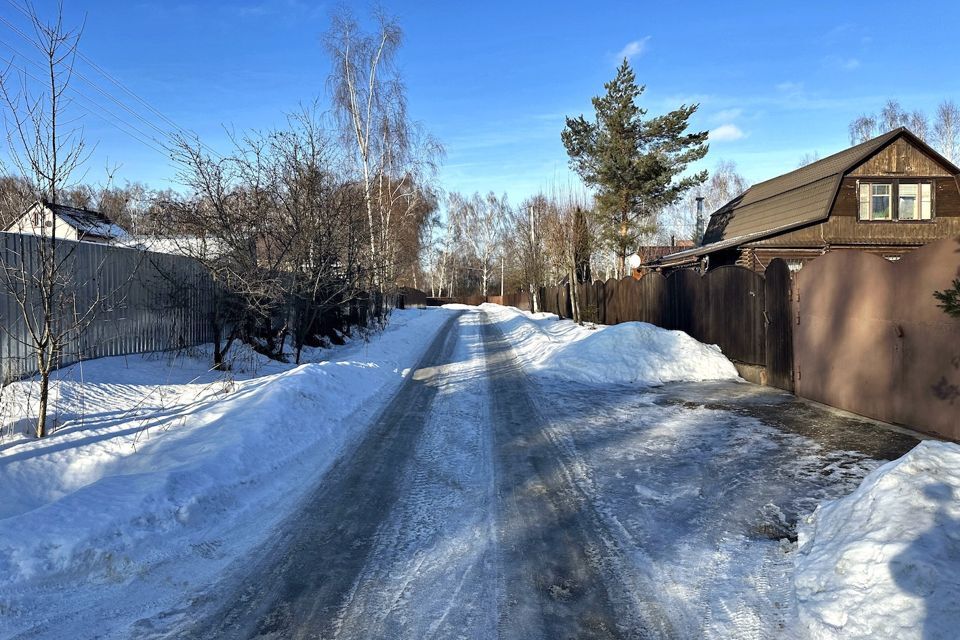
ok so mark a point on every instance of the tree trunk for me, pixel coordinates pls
(218, 351)
(502, 268)
(44, 400)
(574, 296)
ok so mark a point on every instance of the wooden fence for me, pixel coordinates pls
(518, 300)
(851, 329)
(408, 297)
(728, 307)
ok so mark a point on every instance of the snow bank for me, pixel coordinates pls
(177, 468)
(627, 353)
(884, 562)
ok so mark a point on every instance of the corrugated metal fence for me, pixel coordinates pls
(134, 301)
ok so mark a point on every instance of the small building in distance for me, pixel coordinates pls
(652, 252)
(888, 196)
(68, 223)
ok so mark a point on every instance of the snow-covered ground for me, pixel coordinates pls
(161, 472)
(628, 353)
(705, 500)
(687, 487)
(884, 561)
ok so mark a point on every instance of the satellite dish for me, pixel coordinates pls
(634, 261)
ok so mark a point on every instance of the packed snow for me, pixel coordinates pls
(628, 353)
(884, 561)
(163, 471)
(161, 474)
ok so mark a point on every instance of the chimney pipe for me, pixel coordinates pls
(700, 228)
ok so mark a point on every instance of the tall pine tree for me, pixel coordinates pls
(635, 164)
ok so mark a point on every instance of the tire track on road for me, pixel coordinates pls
(297, 588)
(553, 582)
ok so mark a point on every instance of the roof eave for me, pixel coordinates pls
(681, 257)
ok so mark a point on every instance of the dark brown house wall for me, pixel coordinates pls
(841, 230)
(844, 230)
(946, 198)
(900, 158)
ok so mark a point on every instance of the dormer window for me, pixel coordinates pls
(897, 200)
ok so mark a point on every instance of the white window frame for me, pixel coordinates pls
(924, 207)
(908, 186)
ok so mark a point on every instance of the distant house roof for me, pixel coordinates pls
(188, 246)
(795, 199)
(89, 223)
(653, 252)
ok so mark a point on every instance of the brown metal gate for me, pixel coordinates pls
(870, 338)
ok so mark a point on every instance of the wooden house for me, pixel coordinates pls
(887, 196)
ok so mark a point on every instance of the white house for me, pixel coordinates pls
(68, 223)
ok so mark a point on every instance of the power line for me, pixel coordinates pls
(177, 128)
(96, 87)
(139, 135)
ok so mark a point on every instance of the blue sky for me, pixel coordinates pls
(494, 80)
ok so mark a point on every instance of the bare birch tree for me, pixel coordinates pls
(526, 225)
(919, 125)
(478, 221)
(362, 91)
(862, 129)
(893, 116)
(394, 158)
(946, 130)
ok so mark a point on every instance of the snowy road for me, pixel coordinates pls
(485, 502)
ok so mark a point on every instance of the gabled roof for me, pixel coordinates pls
(803, 196)
(87, 223)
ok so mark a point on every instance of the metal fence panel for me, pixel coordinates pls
(117, 301)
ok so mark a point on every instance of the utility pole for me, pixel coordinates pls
(534, 302)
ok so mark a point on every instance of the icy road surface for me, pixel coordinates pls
(487, 503)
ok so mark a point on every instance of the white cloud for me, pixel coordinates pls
(726, 133)
(634, 48)
(846, 64)
(727, 115)
(790, 87)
